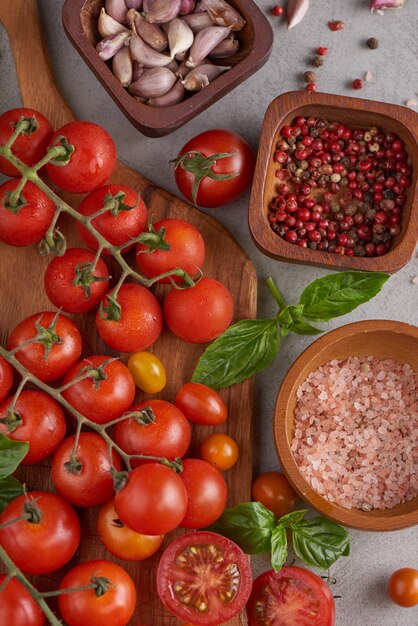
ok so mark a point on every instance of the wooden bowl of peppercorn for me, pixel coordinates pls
(335, 183)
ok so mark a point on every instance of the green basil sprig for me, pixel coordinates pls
(249, 346)
(317, 541)
(11, 454)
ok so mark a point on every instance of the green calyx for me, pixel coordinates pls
(154, 240)
(48, 337)
(84, 277)
(60, 154)
(32, 512)
(115, 204)
(12, 420)
(100, 585)
(53, 243)
(26, 125)
(111, 311)
(13, 203)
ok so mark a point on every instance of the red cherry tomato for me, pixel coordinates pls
(275, 492)
(117, 225)
(212, 192)
(106, 394)
(36, 418)
(187, 251)
(17, 607)
(40, 545)
(167, 436)
(88, 480)
(72, 284)
(53, 355)
(115, 603)
(30, 146)
(200, 313)
(201, 404)
(6, 378)
(206, 493)
(121, 540)
(153, 501)
(220, 450)
(290, 596)
(92, 161)
(30, 222)
(140, 323)
(403, 587)
(211, 585)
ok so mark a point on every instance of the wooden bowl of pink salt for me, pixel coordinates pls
(346, 425)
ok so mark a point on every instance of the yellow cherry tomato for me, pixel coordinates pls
(147, 371)
(220, 450)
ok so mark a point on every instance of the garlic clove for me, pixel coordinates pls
(173, 66)
(122, 66)
(205, 41)
(380, 5)
(296, 11)
(138, 68)
(198, 21)
(153, 83)
(173, 96)
(134, 4)
(108, 47)
(146, 55)
(187, 6)
(223, 14)
(181, 56)
(147, 5)
(162, 11)
(180, 37)
(227, 48)
(107, 26)
(152, 34)
(202, 75)
(116, 9)
(183, 70)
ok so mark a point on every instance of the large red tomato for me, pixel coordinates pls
(56, 350)
(17, 607)
(290, 597)
(36, 418)
(204, 578)
(200, 313)
(214, 168)
(92, 161)
(31, 145)
(167, 436)
(6, 378)
(206, 493)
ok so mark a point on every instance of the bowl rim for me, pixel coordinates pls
(274, 246)
(353, 518)
(160, 121)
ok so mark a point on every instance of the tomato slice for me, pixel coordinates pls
(292, 596)
(204, 578)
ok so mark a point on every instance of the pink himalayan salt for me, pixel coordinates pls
(356, 432)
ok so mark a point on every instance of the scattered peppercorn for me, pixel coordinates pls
(322, 51)
(311, 87)
(317, 61)
(278, 10)
(310, 77)
(337, 25)
(357, 83)
(373, 43)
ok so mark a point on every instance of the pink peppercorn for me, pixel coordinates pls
(277, 10)
(357, 83)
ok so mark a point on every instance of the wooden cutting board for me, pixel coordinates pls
(21, 290)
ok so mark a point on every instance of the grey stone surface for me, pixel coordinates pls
(361, 578)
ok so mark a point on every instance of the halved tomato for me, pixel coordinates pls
(204, 578)
(293, 596)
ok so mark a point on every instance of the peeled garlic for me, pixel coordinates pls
(180, 37)
(146, 55)
(153, 83)
(122, 66)
(205, 41)
(202, 75)
(107, 26)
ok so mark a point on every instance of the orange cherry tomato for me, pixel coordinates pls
(403, 587)
(274, 491)
(220, 450)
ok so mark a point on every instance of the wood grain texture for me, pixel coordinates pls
(380, 338)
(21, 288)
(354, 113)
(256, 39)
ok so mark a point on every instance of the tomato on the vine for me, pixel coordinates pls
(86, 479)
(27, 221)
(6, 378)
(153, 501)
(403, 587)
(201, 313)
(204, 578)
(56, 350)
(206, 493)
(274, 491)
(74, 282)
(147, 371)
(201, 404)
(36, 418)
(187, 250)
(31, 145)
(165, 433)
(47, 539)
(214, 168)
(125, 218)
(17, 607)
(140, 323)
(91, 162)
(220, 450)
(120, 540)
(111, 602)
(103, 395)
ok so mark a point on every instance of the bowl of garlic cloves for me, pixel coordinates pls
(166, 61)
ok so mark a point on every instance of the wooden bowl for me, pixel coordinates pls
(256, 39)
(383, 339)
(354, 113)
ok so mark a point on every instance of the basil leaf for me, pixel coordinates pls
(11, 454)
(278, 547)
(338, 294)
(303, 328)
(319, 542)
(249, 524)
(10, 488)
(292, 518)
(288, 316)
(241, 351)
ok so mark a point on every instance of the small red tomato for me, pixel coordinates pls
(275, 492)
(206, 493)
(31, 145)
(403, 587)
(6, 378)
(201, 404)
(91, 162)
